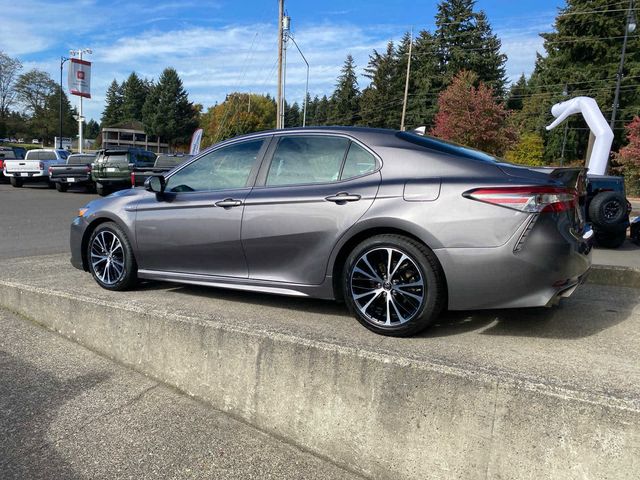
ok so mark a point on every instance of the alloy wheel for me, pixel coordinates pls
(387, 286)
(107, 258)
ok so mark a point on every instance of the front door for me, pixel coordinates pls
(314, 189)
(194, 226)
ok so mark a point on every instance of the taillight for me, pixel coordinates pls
(87, 168)
(50, 169)
(41, 165)
(133, 180)
(527, 199)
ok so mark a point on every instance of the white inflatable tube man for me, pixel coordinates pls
(603, 134)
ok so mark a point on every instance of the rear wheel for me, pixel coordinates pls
(110, 257)
(393, 285)
(62, 187)
(15, 182)
(51, 184)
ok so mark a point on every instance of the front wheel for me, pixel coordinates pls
(102, 190)
(110, 257)
(394, 285)
(15, 182)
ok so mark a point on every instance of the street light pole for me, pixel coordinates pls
(629, 28)
(306, 88)
(62, 60)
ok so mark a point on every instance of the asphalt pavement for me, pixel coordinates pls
(34, 219)
(67, 413)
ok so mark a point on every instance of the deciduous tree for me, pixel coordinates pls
(470, 115)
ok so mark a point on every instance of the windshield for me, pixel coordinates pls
(447, 147)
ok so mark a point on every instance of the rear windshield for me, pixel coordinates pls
(447, 147)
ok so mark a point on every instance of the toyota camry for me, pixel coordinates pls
(397, 225)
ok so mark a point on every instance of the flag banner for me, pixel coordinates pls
(80, 77)
(196, 139)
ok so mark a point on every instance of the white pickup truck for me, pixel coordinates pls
(34, 167)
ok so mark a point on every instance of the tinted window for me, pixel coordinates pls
(33, 155)
(300, 160)
(358, 162)
(225, 168)
(80, 159)
(47, 155)
(447, 147)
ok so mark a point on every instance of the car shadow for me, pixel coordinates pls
(559, 322)
(565, 321)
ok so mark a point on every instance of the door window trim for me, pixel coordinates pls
(266, 163)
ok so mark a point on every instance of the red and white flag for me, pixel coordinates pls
(80, 77)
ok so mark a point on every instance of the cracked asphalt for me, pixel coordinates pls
(67, 413)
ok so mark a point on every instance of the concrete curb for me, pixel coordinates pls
(614, 276)
(383, 416)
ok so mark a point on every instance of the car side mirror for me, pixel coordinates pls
(155, 183)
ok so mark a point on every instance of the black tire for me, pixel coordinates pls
(62, 187)
(15, 182)
(611, 239)
(400, 307)
(102, 190)
(608, 209)
(116, 257)
(51, 184)
(91, 188)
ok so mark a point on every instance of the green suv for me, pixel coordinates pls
(112, 168)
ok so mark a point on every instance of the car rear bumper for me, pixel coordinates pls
(72, 180)
(546, 266)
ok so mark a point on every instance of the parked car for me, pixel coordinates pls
(635, 231)
(34, 167)
(163, 164)
(608, 209)
(76, 171)
(6, 153)
(397, 225)
(113, 167)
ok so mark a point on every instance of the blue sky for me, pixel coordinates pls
(223, 46)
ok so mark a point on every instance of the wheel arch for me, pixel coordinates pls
(341, 252)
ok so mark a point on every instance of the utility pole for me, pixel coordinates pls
(279, 109)
(406, 82)
(629, 27)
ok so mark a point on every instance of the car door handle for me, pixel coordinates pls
(228, 203)
(343, 197)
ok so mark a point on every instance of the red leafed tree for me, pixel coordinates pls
(470, 115)
(628, 158)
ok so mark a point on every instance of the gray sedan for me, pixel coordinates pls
(398, 226)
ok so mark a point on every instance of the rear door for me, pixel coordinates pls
(194, 227)
(313, 189)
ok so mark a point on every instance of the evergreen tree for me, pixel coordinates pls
(322, 111)
(346, 96)
(113, 113)
(583, 52)
(92, 129)
(292, 115)
(240, 113)
(427, 82)
(381, 103)
(465, 41)
(517, 93)
(134, 94)
(167, 111)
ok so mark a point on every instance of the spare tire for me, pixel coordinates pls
(607, 209)
(611, 240)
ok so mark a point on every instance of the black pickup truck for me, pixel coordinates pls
(607, 209)
(77, 171)
(164, 163)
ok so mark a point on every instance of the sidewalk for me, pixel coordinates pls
(67, 413)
